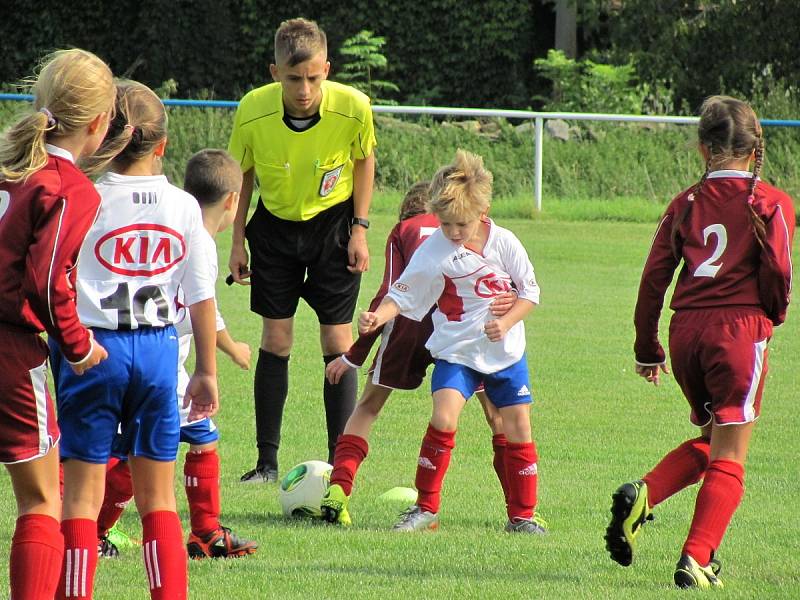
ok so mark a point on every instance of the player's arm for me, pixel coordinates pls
(201, 391)
(371, 320)
(497, 328)
(775, 268)
(239, 260)
(61, 227)
(363, 179)
(239, 352)
(657, 275)
(518, 265)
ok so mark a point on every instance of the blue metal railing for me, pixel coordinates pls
(537, 117)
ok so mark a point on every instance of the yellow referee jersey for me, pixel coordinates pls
(300, 174)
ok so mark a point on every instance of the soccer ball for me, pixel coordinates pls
(303, 487)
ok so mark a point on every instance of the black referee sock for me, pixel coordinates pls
(340, 400)
(270, 388)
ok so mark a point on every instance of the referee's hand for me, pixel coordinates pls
(240, 272)
(357, 251)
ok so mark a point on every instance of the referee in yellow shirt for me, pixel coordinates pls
(309, 142)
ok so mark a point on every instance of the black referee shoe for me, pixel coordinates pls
(261, 474)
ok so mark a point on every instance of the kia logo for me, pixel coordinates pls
(489, 286)
(142, 249)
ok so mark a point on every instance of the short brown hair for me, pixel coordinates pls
(415, 200)
(298, 40)
(212, 174)
(461, 189)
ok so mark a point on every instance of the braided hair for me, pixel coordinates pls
(729, 130)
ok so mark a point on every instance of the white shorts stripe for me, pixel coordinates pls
(758, 366)
(39, 383)
(385, 335)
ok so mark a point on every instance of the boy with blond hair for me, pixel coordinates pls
(461, 268)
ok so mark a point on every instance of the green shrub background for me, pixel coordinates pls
(605, 163)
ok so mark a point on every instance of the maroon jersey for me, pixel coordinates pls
(723, 263)
(42, 224)
(404, 239)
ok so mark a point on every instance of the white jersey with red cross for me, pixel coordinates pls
(147, 242)
(463, 284)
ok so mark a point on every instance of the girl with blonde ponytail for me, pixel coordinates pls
(46, 208)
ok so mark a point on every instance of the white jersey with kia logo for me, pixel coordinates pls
(463, 284)
(147, 242)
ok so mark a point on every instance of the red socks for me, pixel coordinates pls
(434, 458)
(165, 558)
(80, 558)
(36, 552)
(680, 468)
(521, 476)
(351, 450)
(499, 443)
(201, 479)
(119, 492)
(718, 499)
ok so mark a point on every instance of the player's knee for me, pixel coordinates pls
(495, 422)
(517, 427)
(370, 406)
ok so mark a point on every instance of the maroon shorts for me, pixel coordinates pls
(719, 358)
(28, 427)
(402, 358)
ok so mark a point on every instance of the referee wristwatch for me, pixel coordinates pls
(359, 221)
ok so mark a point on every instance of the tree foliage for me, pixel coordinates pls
(701, 48)
(363, 57)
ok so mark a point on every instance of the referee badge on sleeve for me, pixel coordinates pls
(329, 180)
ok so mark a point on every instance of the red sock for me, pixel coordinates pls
(80, 558)
(522, 477)
(680, 468)
(434, 458)
(718, 499)
(35, 562)
(201, 480)
(499, 443)
(351, 450)
(165, 560)
(119, 492)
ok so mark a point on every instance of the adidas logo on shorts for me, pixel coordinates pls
(524, 391)
(529, 471)
(426, 463)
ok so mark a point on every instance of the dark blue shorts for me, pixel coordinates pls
(507, 387)
(133, 392)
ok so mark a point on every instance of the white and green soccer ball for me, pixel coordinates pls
(302, 489)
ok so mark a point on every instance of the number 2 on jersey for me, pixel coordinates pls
(707, 268)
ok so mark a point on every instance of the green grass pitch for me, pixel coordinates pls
(595, 423)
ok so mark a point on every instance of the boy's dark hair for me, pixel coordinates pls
(298, 40)
(415, 200)
(212, 174)
(730, 130)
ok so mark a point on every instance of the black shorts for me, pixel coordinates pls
(290, 260)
